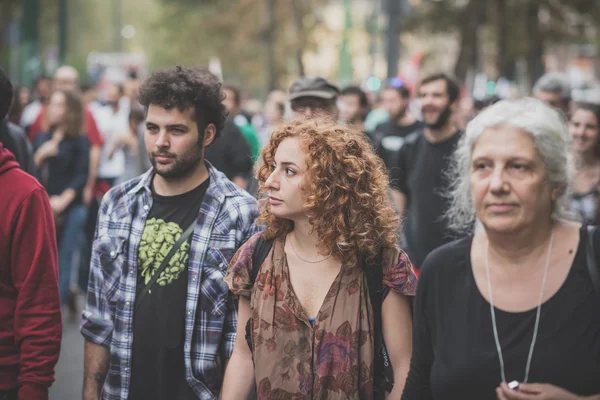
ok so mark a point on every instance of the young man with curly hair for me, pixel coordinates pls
(160, 322)
(327, 217)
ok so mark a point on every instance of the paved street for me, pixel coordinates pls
(69, 371)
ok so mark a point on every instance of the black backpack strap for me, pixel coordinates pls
(592, 261)
(261, 251)
(382, 367)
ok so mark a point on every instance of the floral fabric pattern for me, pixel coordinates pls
(332, 359)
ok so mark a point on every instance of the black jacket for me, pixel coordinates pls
(230, 152)
(14, 139)
(69, 168)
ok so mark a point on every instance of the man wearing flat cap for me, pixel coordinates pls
(313, 95)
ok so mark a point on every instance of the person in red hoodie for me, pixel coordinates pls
(30, 315)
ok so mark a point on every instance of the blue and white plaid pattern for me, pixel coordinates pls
(225, 221)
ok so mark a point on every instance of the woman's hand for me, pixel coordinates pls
(58, 204)
(120, 141)
(46, 150)
(534, 391)
(62, 201)
(88, 194)
(50, 148)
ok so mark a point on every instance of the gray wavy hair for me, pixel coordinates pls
(554, 82)
(549, 132)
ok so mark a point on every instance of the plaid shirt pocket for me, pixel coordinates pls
(112, 258)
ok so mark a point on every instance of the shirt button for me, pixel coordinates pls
(194, 279)
(190, 312)
(127, 304)
(126, 369)
(146, 207)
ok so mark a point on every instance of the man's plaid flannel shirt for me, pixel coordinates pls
(225, 221)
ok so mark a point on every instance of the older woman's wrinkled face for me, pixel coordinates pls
(286, 197)
(508, 180)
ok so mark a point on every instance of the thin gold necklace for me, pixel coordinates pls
(310, 262)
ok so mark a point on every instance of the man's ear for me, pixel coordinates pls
(455, 105)
(209, 134)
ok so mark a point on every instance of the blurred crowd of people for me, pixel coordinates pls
(80, 148)
(85, 141)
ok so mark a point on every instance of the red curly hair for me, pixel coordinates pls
(347, 203)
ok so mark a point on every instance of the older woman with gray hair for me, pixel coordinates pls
(509, 311)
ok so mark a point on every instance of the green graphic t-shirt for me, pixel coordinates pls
(157, 364)
(158, 238)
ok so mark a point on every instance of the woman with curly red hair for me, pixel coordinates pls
(329, 224)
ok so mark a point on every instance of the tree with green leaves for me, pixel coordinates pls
(261, 44)
(521, 29)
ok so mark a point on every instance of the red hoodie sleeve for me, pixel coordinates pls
(38, 322)
(38, 125)
(92, 129)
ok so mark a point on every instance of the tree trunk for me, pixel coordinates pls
(535, 37)
(297, 17)
(502, 37)
(7, 8)
(272, 78)
(473, 18)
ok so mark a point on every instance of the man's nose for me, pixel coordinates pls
(162, 139)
